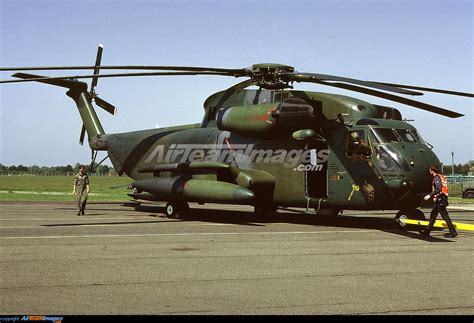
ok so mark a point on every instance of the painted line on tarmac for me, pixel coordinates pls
(79, 225)
(467, 208)
(62, 219)
(185, 234)
(217, 224)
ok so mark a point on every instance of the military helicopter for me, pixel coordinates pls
(269, 147)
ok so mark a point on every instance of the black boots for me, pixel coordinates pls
(425, 233)
(451, 235)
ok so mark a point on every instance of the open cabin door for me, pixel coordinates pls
(316, 171)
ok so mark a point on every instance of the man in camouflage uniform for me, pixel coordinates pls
(81, 190)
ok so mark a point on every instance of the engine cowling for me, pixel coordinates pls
(267, 120)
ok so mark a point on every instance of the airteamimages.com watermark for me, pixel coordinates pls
(241, 154)
(40, 318)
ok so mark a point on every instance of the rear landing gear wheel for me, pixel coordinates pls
(177, 210)
(411, 214)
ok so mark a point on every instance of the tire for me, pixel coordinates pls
(171, 210)
(469, 194)
(177, 210)
(411, 214)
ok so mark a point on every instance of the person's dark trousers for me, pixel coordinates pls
(440, 207)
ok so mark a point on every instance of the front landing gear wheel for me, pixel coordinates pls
(412, 214)
(177, 210)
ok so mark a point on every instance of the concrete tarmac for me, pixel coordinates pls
(124, 259)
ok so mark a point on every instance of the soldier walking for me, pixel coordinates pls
(439, 195)
(81, 190)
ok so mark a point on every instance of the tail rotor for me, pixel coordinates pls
(93, 95)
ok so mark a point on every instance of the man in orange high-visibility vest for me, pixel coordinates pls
(439, 194)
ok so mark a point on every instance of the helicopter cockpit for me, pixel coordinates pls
(386, 145)
(388, 156)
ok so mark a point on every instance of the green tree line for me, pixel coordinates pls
(460, 169)
(64, 170)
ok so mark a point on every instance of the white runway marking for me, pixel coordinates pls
(467, 208)
(61, 219)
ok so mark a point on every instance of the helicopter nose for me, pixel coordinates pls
(400, 189)
(399, 185)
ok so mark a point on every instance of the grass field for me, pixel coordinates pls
(59, 188)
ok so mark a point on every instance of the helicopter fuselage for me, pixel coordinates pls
(354, 155)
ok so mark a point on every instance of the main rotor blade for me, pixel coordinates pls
(98, 59)
(67, 83)
(105, 105)
(72, 77)
(237, 72)
(310, 77)
(391, 97)
(427, 89)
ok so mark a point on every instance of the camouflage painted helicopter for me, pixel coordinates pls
(268, 147)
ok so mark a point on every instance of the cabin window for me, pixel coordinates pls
(385, 135)
(357, 145)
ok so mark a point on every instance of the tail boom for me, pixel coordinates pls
(78, 92)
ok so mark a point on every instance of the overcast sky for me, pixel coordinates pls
(425, 43)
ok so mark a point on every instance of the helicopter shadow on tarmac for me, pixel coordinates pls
(289, 216)
(247, 218)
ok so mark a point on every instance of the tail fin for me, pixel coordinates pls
(78, 92)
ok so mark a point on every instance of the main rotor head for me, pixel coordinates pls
(270, 76)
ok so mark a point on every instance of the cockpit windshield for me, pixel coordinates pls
(408, 135)
(405, 135)
(388, 135)
(385, 135)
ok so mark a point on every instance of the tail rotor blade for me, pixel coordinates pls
(98, 59)
(105, 105)
(83, 133)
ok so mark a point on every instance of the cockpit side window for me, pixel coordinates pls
(389, 160)
(357, 145)
(385, 135)
(418, 138)
(406, 135)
